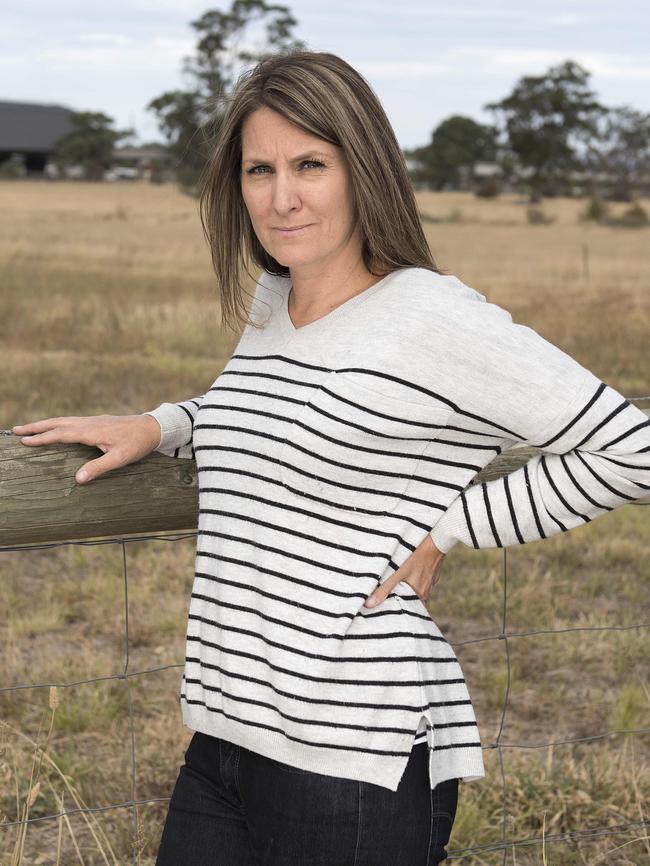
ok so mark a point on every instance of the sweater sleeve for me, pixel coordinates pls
(176, 427)
(522, 389)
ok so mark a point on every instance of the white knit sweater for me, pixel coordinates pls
(325, 454)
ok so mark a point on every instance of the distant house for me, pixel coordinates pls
(486, 169)
(146, 161)
(31, 130)
(416, 172)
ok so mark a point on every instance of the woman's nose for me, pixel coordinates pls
(285, 192)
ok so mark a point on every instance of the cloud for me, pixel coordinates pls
(106, 52)
(494, 61)
(107, 39)
(397, 69)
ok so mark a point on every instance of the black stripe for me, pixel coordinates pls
(384, 376)
(311, 632)
(324, 566)
(583, 492)
(283, 599)
(486, 500)
(638, 466)
(392, 659)
(241, 654)
(557, 492)
(511, 509)
(308, 742)
(277, 528)
(468, 520)
(304, 495)
(284, 358)
(384, 729)
(599, 390)
(187, 412)
(603, 482)
(353, 705)
(531, 498)
(627, 433)
(602, 423)
(456, 746)
(251, 392)
(424, 458)
(323, 517)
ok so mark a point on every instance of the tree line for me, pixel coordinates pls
(549, 129)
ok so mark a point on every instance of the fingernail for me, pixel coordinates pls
(82, 476)
(371, 602)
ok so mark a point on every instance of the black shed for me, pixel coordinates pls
(32, 130)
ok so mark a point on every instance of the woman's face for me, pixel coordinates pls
(290, 178)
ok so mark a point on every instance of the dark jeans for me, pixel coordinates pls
(234, 807)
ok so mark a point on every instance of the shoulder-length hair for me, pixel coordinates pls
(323, 95)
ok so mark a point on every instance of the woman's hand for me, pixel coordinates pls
(421, 571)
(123, 438)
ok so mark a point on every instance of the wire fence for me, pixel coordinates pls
(505, 844)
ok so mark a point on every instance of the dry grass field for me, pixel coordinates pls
(107, 305)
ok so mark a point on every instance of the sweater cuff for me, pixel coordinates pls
(175, 426)
(450, 528)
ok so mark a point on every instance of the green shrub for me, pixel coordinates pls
(488, 187)
(596, 210)
(13, 167)
(634, 217)
(537, 217)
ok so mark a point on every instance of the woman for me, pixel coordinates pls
(335, 452)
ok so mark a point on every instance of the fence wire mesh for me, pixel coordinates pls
(505, 845)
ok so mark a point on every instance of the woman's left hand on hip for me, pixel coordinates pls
(421, 571)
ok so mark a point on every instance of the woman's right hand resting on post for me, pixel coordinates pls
(123, 438)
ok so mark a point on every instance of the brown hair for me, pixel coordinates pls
(324, 96)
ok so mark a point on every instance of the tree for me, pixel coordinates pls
(90, 144)
(622, 149)
(188, 118)
(456, 144)
(548, 121)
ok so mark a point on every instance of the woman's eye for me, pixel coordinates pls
(261, 169)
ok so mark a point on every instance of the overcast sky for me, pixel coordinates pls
(425, 59)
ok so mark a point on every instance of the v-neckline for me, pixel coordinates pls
(337, 311)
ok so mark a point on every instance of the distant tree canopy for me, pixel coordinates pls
(621, 149)
(547, 128)
(90, 144)
(189, 118)
(456, 144)
(547, 123)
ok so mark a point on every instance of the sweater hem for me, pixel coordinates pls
(465, 763)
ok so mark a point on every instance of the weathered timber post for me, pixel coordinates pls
(41, 501)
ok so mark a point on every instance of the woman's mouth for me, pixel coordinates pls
(291, 231)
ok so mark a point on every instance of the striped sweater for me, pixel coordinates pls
(325, 454)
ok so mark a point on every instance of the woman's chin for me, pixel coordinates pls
(290, 259)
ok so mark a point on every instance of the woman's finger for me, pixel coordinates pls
(58, 434)
(35, 426)
(94, 468)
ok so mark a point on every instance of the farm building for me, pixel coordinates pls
(31, 130)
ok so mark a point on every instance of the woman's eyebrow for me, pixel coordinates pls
(310, 154)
